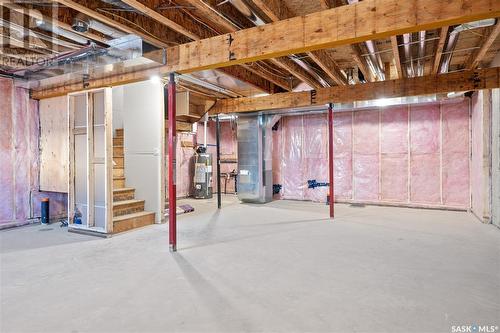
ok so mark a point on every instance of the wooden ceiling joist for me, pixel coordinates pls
(424, 85)
(160, 18)
(35, 14)
(277, 10)
(443, 35)
(397, 58)
(228, 27)
(477, 57)
(112, 23)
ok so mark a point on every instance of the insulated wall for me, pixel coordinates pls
(415, 155)
(19, 159)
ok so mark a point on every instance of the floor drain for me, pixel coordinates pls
(358, 205)
(45, 229)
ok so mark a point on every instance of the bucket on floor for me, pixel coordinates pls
(44, 211)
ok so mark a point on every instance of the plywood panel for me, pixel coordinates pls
(54, 161)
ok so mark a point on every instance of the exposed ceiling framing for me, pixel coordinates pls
(202, 29)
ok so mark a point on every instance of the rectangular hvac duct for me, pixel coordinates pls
(255, 172)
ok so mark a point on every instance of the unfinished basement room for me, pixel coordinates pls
(250, 166)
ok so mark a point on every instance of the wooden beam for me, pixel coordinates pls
(397, 58)
(356, 23)
(476, 58)
(424, 85)
(367, 20)
(443, 34)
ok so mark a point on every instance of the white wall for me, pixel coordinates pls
(143, 124)
(117, 107)
(495, 174)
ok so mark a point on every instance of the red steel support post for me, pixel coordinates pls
(330, 157)
(172, 202)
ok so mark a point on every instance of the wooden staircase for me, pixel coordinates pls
(128, 212)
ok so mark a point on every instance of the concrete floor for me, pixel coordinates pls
(278, 267)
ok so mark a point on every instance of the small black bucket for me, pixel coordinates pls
(45, 211)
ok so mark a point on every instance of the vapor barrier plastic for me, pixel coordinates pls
(412, 155)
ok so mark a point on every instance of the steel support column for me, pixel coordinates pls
(172, 200)
(217, 141)
(330, 157)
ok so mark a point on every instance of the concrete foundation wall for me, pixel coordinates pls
(19, 159)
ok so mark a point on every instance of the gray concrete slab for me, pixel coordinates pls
(280, 267)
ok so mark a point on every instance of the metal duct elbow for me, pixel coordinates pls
(453, 38)
(83, 23)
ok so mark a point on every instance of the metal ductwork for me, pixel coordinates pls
(407, 41)
(453, 38)
(83, 23)
(421, 53)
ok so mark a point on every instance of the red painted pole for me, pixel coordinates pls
(330, 157)
(172, 200)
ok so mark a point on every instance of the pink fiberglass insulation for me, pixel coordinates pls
(394, 154)
(366, 155)
(425, 154)
(342, 148)
(315, 156)
(372, 151)
(7, 156)
(477, 186)
(19, 157)
(455, 157)
(292, 167)
(277, 151)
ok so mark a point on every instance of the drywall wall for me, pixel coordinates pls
(19, 159)
(143, 124)
(413, 155)
(54, 161)
(481, 155)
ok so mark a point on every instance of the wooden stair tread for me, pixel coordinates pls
(114, 178)
(127, 202)
(131, 216)
(123, 189)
